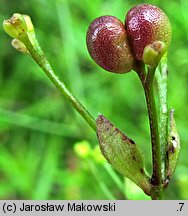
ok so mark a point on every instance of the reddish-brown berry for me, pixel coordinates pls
(145, 25)
(108, 44)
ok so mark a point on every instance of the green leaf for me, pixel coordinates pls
(173, 147)
(122, 153)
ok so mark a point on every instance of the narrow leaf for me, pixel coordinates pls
(122, 153)
(173, 147)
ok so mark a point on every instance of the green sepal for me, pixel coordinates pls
(16, 26)
(122, 153)
(19, 46)
(153, 53)
(173, 148)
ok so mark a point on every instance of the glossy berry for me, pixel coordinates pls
(145, 25)
(107, 43)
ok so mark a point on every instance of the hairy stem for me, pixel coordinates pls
(39, 57)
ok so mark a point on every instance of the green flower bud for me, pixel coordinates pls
(82, 149)
(16, 26)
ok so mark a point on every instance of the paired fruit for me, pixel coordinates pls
(145, 36)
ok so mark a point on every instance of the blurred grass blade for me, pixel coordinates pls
(35, 123)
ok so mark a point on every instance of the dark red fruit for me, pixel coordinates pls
(146, 24)
(108, 45)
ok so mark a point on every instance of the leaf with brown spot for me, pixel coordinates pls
(122, 153)
(173, 147)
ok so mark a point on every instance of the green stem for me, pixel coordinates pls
(39, 57)
(147, 82)
(149, 92)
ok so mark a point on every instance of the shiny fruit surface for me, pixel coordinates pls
(108, 45)
(146, 24)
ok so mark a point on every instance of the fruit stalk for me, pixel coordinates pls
(156, 179)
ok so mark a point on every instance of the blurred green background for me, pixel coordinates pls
(47, 151)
